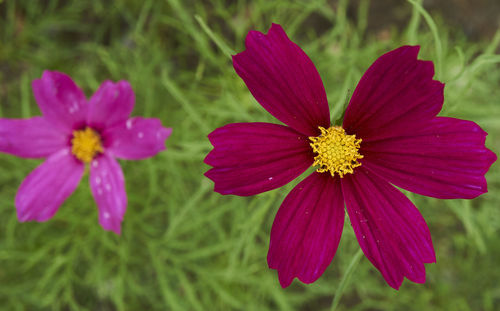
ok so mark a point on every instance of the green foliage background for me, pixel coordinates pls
(184, 247)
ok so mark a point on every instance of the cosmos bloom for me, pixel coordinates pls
(72, 133)
(390, 136)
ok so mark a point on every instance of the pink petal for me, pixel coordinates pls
(108, 188)
(61, 101)
(389, 228)
(307, 229)
(137, 138)
(395, 95)
(30, 138)
(445, 159)
(283, 80)
(250, 158)
(111, 104)
(45, 189)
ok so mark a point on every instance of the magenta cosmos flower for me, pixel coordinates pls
(72, 133)
(390, 136)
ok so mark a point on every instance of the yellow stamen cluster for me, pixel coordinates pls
(86, 144)
(337, 151)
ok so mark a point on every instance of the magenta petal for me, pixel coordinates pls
(283, 80)
(250, 158)
(111, 104)
(61, 101)
(108, 188)
(45, 189)
(137, 138)
(445, 159)
(395, 95)
(30, 138)
(389, 228)
(307, 229)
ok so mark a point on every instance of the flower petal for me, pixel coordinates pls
(283, 80)
(30, 138)
(136, 139)
(111, 104)
(45, 188)
(395, 95)
(108, 188)
(61, 101)
(307, 229)
(250, 158)
(389, 228)
(445, 159)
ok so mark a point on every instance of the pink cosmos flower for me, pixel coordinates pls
(74, 132)
(390, 136)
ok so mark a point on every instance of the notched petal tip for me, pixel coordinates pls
(30, 138)
(60, 99)
(446, 159)
(250, 158)
(413, 49)
(307, 230)
(165, 133)
(210, 159)
(111, 104)
(491, 158)
(113, 227)
(283, 80)
(54, 75)
(390, 230)
(44, 190)
(108, 189)
(275, 32)
(397, 93)
(284, 280)
(137, 138)
(213, 175)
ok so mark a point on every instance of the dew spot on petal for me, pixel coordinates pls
(73, 107)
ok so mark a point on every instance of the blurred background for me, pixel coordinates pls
(184, 247)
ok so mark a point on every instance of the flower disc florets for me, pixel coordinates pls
(337, 151)
(86, 144)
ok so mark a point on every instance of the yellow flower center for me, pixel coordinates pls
(337, 151)
(86, 144)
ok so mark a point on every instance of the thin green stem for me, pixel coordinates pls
(218, 41)
(347, 276)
